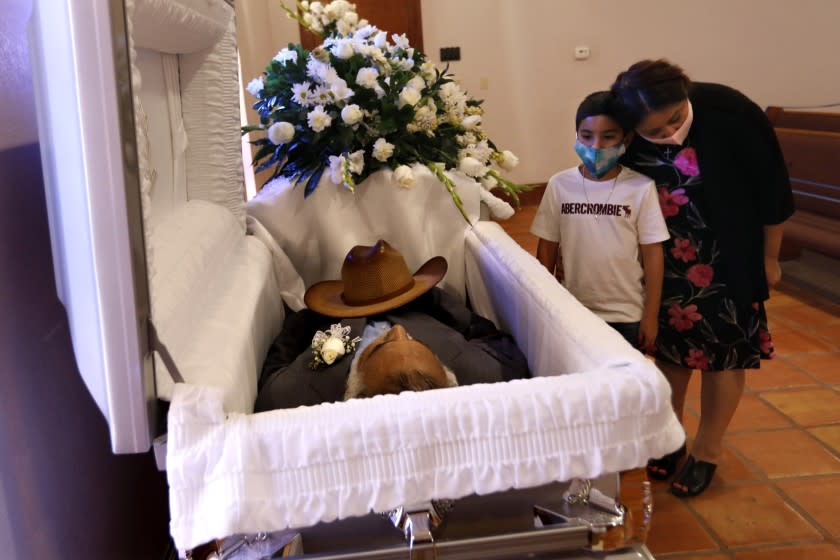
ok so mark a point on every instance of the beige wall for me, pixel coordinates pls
(778, 52)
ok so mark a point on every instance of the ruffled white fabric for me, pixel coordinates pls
(180, 26)
(421, 222)
(217, 301)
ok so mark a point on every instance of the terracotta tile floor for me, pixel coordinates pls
(776, 494)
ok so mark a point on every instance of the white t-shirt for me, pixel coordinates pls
(600, 229)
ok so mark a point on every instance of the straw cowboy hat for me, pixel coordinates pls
(373, 280)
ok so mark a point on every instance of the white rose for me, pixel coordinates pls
(471, 122)
(281, 132)
(318, 119)
(472, 167)
(333, 348)
(366, 77)
(356, 161)
(351, 114)
(255, 86)
(508, 161)
(382, 149)
(404, 176)
(343, 49)
(417, 83)
(351, 18)
(408, 96)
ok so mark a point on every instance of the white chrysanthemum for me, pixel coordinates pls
(281, 132)
(351, 114)
(404, 176)
(472, 167)
(408, 96)
(425, 119)
(316, 69)
(301, 94)
(471, 122)
(367, 77)
(382, 150)
(356, 161)
(255, 86)
(318, 119)
(466, 139)
(321, 96)
(508, 160)
(480, 151)
(286, 55)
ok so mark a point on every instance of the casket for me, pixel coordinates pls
(175, 288)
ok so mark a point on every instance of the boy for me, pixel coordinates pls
(602, 213)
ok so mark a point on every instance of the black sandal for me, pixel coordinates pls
(694, 478)
(664, 467)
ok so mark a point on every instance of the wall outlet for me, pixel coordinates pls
(450, 53)
(581, 52)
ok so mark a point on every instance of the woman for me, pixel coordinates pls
(725, 192)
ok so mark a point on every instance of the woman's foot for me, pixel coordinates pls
(693, 478)
(664, 467)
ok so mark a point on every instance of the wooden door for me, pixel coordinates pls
(393, 16)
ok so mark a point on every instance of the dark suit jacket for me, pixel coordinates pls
(466, 343)
(745, 181)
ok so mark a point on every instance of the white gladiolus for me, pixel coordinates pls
(281, 132)
(488, 182)
(381, 40)
(340, 90)
(508, 161)
(318, 119)
(408, 96)
(471, 122)
(404, 176)
(472, 167)
(400, 41)
(351, 114)
(332, 349)
(382, 150)
(255, 86)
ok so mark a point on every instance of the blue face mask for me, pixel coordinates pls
(599, 161)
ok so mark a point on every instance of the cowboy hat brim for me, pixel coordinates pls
(325, 297)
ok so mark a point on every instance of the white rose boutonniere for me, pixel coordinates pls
(330, 346)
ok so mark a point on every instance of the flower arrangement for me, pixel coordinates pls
(359, 103)
(329, 346)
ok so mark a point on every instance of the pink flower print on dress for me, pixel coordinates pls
(670, 202)
(696, 359)
(700, 275)
(683, 250)
(686, 162)
(767, 347)
(682, 319)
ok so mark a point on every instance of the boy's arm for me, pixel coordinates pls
(653, 260)
(547, 253)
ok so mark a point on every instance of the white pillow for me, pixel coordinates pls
(180, 26)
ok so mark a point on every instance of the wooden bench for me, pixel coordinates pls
(810, 143)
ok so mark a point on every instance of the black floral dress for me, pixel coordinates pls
(700, 326)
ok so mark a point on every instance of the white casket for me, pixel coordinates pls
(162, 266)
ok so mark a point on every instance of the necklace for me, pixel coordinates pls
(585, 194)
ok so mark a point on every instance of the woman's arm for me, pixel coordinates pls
(653, 260)
(772, 245)
(548, 253)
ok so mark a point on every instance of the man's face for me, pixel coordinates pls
(394, 362)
